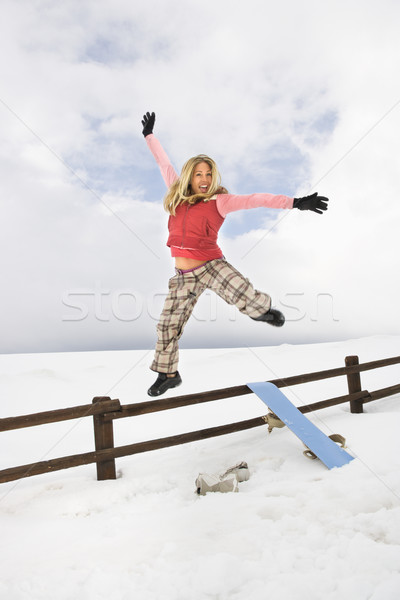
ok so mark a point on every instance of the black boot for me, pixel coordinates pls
(164, 383)
(273, 317)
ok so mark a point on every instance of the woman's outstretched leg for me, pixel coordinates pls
(234, 288)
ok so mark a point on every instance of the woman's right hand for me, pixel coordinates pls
(148, 123)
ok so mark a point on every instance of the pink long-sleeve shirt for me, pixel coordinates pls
(225, 203)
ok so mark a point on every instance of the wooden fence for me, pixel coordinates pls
(104, 411)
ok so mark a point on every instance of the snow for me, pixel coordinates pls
(294, 530)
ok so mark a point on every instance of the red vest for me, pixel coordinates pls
(195, 226)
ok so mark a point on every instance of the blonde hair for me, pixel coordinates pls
(180, 191)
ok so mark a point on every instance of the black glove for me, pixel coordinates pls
(148, 123)
(314, 202)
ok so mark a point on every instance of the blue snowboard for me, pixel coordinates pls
(328, 451)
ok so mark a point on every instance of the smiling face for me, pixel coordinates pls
(200, 181)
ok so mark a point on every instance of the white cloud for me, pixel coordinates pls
(281, 95)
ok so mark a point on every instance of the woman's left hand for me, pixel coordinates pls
(314, 202)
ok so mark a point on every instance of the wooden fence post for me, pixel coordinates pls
(103, 439)
(354, 385)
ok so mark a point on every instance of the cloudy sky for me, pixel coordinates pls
(289, 97)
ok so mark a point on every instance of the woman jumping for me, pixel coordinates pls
(197, 205)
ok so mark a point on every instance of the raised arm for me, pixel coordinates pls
(167, 170)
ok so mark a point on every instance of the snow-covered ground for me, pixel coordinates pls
(294, 530)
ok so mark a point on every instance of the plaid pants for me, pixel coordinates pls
(184, 290)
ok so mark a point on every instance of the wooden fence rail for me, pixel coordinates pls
(105, 410)
(62, 414)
